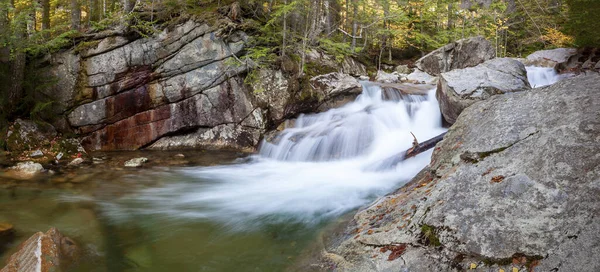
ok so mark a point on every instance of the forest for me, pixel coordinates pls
(376, 32)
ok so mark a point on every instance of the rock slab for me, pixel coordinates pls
(460, 88)
(43, 252)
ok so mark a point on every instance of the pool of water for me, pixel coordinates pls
(103, 207)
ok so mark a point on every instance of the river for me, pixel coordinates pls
(227, 211)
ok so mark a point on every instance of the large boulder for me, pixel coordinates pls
(457, 55)
(460, 88)
(45, 252)
(385, 77)
(514, 185)
(335, 89)
(554, 58)
(319, 60)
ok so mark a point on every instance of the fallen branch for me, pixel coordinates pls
(421, 147)
(416, 149)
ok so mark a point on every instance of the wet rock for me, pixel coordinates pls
(460, 88)
(384, 77)
(43, 252)
(137, 162)
(75, 162)
(228, 136)
(26, 170)
(179, 156)
(457, 55)
(554, 58)
(26, 135)
(36, 154)
(525, 197)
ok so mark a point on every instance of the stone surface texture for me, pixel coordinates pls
(457, 55)
(460, 88)
(515, 184)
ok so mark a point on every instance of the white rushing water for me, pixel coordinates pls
(326, 164)
(541, 76)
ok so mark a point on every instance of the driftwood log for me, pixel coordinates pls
(416, 149)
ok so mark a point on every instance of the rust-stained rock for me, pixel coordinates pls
(43, 252)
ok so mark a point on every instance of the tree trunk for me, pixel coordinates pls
(128, 5)
(17, 65)
(284, 29)
(75, 15)
(354, 23)
(45, 14)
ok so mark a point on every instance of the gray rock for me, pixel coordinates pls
(348, 65)
(554, 58)
(75, 162)
(403, 69)
(387, 77)
(460, 88)
(420, 77)
(516, 181)
(36, 154)
(272, 92)
(228, 136)
(26, 170)
(333, 84)
(457, 55)
(137, 162)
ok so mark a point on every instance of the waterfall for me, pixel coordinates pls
(541, 76)
(322, 166)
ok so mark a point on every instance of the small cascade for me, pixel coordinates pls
(376, 122)
(541, 76)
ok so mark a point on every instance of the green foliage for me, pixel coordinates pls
(584, 23)
(37, 47)
(339, 50)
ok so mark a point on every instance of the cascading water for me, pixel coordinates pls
(324, 165)
(541, 76)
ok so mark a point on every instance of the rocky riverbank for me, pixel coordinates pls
(512, 187)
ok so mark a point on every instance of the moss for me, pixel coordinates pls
(83, 46)
(430, 235)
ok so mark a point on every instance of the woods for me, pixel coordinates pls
(376, 32)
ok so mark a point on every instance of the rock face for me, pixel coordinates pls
(460, 88)
(43, 252)
(514, 184)
(126, 94)
(457, 55)
(183, 84)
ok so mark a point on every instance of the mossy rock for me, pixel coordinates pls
(24, 135)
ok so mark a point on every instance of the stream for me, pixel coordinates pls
(227, 211)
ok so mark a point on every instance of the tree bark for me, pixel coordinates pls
(45, 14)
(75, 15)
(354, 23)
(419, 148)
